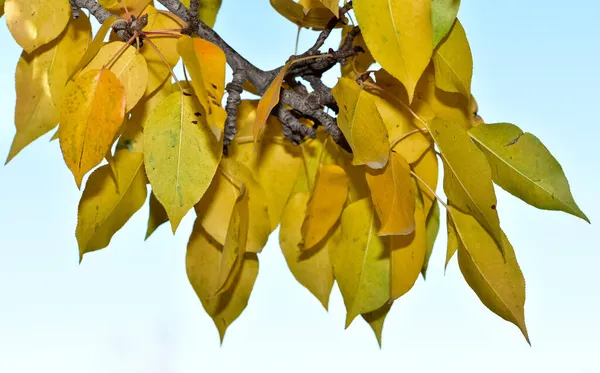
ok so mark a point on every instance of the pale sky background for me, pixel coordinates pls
(131, 309)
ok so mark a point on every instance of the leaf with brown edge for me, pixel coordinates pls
(92, 113)
(432, 229)
(399, 35)
(157, 217)
(361, 261)
(40, 83)
(34, 23)
(497, 280)
(407, 255)
(325, 204)
(361, 125)
(467, 175)
(130, 67)
(393, 196)
(376, 319)
(203, 259)
(104, 208)
(206, 64)
(94, 46)
(311, 268)
(453, 63)
(181, 155)
(158, 71)
(268, 101)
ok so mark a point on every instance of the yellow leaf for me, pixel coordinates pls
(361, 124)
(132, 137)
(208, 10)
(158, 71)
(467, 175)
(34, 23)
(203, 259)
(1, 8)
(427, 170)
(180, 154)
(104, 208)
(268, 101)
(95, 45)
(525, 168)
(306, 13)
(40, 83)
(141, 112)
(399, 34)
(376, 320)
(361, 261)
(453, 63)
(393, 196)
(158, 216)
(325, 205)
(407, 255)
(130, 67)
(135, 7)
(312, 268)
(357, 64)
(92, 113)
(452, 240)
(206, 65)
(276, 164)
(215, 208)
(432, 229)
(497, 280)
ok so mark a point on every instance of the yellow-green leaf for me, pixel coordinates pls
(362, 125)
(181, 155)
(158, 70)
(407, 255)
(452, 240)
(95, 45)
(467, 175)
(203, 259)
(443, 15)
(312, 268)
(453, 63)
(325, 205)
(361, 261)
(432, 229)
(130, 67)
(158, 216)
(376, 319)
(269, 100)
(393, 196)
(399, 35)
(497, 280)
(92, 113)
(206, 64)
(104, 208)
(40, 83)
(525, 168)
(208, 10)
(34, 23)
(427, 170)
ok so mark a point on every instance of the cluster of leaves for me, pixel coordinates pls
(367, 219)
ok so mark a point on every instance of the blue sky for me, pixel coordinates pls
(130, 308)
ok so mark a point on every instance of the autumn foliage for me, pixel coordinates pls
(349, 174)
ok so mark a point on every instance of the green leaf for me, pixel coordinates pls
(525, 168)
(443, 14)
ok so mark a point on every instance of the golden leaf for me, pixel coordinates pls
(432, 229)
(269, 100)
(453, 63)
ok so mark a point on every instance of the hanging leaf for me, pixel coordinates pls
(325, 204)
(453, 63)
(158, 71)
(399, 35)
(180, 154)
(305, 13)
(497, 280)
(206, 65)
(427, 170)
(40, 83)
(269, 100)
(362, 125)
(134, 7)
(467, 175)
(525, 168)
(104, 208)
(158, 216)
(34, 23)
(361, 262)
(312, 268)
(432, 229)
(443, 15)
(376, 320)
(452, 240)
(92, 113)
(130, 67)
(393, 197)
(360, 63)
(208, 10)
(202, 262)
